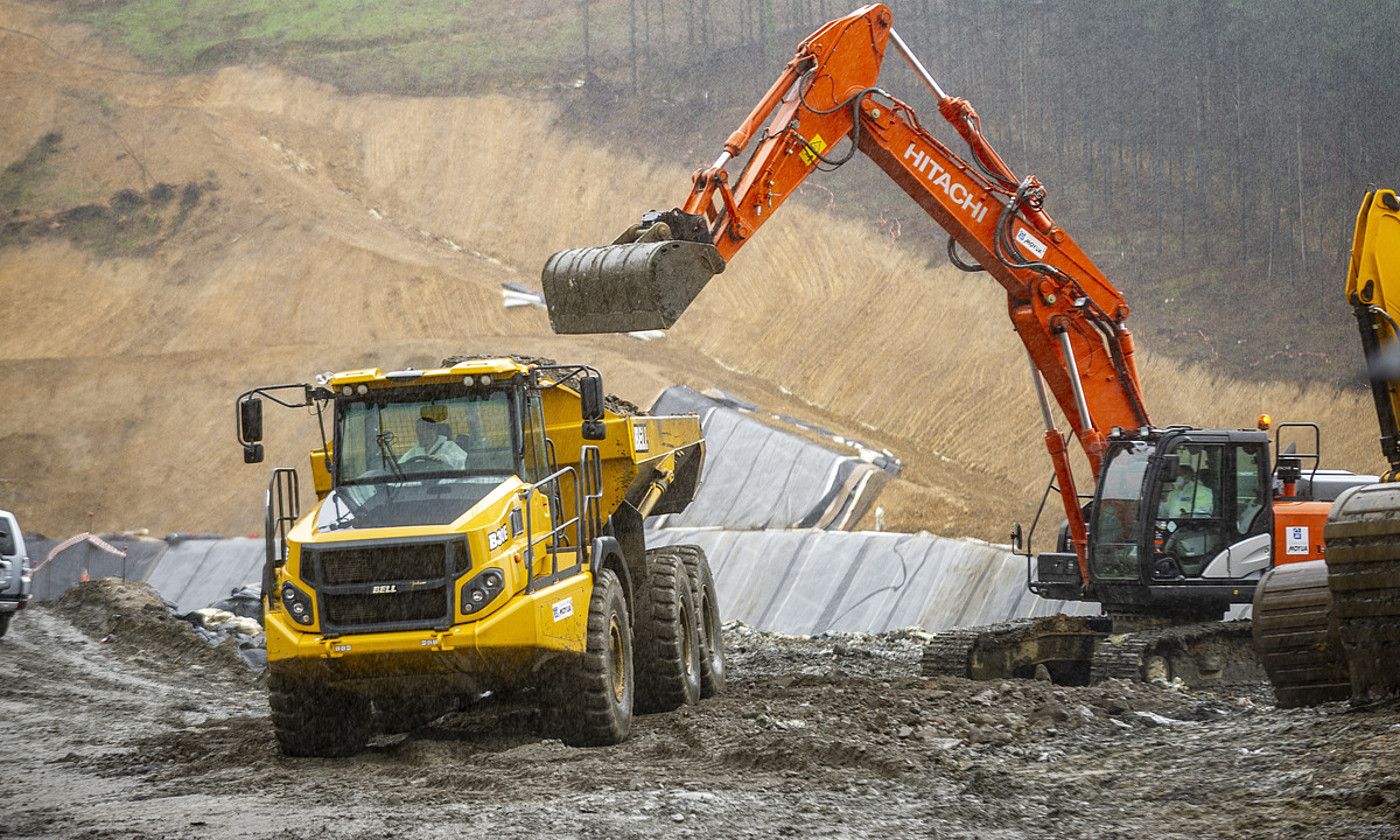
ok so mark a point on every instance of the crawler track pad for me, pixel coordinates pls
(623, 288)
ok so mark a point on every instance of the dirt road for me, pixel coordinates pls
(145, 736)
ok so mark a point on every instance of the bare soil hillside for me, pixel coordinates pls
(168, 242)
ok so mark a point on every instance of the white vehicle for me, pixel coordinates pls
(14, 570)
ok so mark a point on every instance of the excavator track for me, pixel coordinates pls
(1363, 560)
(1294, 637)
(1060, 644)
(1120, 657)
(1201, 655)
(948, 654)
(1079, 650)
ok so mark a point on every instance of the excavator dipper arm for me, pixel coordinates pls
(1069, 316)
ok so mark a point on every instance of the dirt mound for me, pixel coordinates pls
(136, 622)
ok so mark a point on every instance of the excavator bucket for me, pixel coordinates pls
(625, 288)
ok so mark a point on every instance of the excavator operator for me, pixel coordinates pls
(1188, 498)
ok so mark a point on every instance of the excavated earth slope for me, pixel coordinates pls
(826, 737)
(167, 242)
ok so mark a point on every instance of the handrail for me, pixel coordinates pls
(590, 460)
(587, 518)
(283, 495)
(530, 492)
(283, 481)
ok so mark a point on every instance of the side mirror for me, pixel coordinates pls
(1171, 466)
(1016, 538)
(250, 429)
(250, 420)
(590, 390)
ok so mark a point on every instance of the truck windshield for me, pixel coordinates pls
(428, 433)
(1113, 537)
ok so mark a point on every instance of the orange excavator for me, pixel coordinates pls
(1182, 521)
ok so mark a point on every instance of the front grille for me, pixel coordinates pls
(370, 564)
(368, 586)
(420, 605)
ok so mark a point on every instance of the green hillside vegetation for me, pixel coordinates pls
(392, 46)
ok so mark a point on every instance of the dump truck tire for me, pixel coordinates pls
(316, 720)
(591, 701)
(713, 670)
(668, 636)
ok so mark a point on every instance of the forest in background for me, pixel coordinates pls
(1209, 155)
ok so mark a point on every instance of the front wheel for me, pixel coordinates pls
(592, 700)
(317, 720)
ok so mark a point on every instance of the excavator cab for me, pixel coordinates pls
(1180, 516)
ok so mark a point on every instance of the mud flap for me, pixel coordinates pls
(623, 288)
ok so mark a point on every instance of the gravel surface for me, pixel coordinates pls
(832, 737)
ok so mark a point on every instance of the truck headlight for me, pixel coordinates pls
(298, 604)
(482, 590)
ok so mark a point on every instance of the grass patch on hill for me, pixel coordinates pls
(389, 46)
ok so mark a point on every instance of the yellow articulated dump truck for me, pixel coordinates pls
(478, 528)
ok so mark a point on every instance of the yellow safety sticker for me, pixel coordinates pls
(816, 143)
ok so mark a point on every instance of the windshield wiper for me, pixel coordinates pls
(386, 451)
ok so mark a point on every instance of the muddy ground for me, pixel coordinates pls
(116, 727)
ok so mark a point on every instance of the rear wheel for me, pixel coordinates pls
(591, 700)
(5, 623)
(668, 636)
(713, 670)
(317, 720)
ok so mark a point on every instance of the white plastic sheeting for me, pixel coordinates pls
(191, 572)
(59, 567)
(196, 573)
(813, 581)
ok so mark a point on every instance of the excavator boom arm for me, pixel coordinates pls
(825, 106)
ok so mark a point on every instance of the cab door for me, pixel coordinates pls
(1192, 523)
(1248, 515)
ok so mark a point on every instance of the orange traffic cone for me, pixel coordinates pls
(83, 578)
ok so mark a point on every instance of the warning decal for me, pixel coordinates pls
(1295, 539)
(814, 147)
